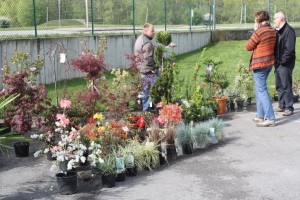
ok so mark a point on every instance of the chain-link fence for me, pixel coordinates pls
(40, 18)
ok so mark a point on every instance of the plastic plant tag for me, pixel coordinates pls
(125, 128)
(130, 161)
(120, 166)
(213, 137)
(62, 58)
(212, 131)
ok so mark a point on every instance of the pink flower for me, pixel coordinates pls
(65, 103)
(159, 105)
(172, 45)
(55, 148)
(62, 118)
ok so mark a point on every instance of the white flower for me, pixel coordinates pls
(83, 159)
(34, 136)
(71, 164)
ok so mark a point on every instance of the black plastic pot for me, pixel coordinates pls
(171, 153)
(131, 171)
(239, 105)
(49, 156)
(232, 106)
(108, 181)
(296, 98)
(121, 177)
(21, 149)
(4, 129)
(162, 160)
(67, 183)
(187, 148)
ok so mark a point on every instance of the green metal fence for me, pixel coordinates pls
(41, 18)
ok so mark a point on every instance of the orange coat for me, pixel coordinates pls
(262, 43)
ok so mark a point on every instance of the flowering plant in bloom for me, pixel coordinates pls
(65, 103)
(70, 149)
(48, 138)
(170, 115)
(98, 117)
(92, 132)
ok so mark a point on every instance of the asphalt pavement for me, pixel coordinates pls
(252, 163)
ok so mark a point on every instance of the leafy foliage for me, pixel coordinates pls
(89, 63)
(32, 100)
(164, 37)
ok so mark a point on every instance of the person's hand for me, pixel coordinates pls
(255, 26)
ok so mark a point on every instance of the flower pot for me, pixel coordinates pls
(162, 160)
(21, 149)
(202, 145)
(232, 106)
(240, 105)
(108, 181)
(221, 106)
(131, 171)
(275, 98)
(171, 153)
(67, 183)
(295, 98)
(49, 156)
(187, 148)
(121, 177)
(4, 129)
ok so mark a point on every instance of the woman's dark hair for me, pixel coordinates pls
(262, 16)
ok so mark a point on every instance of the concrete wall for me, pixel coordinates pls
(117, 46)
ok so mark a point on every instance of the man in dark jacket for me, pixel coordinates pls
(285, 57)
(144, 52)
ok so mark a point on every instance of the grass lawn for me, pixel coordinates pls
(230, 52)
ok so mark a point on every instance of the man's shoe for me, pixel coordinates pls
(288, 113)
(278, 110)
(258, 120)
(266, 123)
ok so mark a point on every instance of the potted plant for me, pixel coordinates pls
(156, 135)
(32, 101)
(90, 63)
(200, 132)
(108, 171)
(217, 81)
(185, 138)
(69, 151)
(169, 117)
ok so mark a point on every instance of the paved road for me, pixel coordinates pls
(252, 163)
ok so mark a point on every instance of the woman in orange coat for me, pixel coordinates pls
(262, 44)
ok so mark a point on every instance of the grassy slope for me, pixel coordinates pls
(231, 53)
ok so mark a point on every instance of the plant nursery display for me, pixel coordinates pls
(96, 129)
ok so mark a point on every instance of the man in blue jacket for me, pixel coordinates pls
(285, 57)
